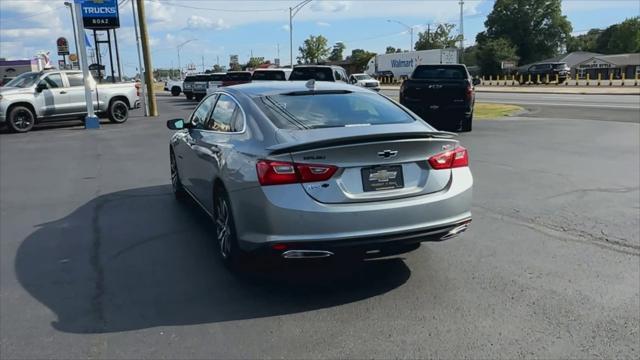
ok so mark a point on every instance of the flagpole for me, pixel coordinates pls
(91, 121)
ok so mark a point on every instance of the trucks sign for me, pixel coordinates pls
(100, 14)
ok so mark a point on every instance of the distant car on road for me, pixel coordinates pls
(364, 80)
(214, 81)
(539, 73)
(270, 75)
(203, 82)
(35, 97)
(319, 73)
(236, 78)
(309, 170)
(442, 95)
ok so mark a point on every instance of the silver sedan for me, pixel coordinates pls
(318, 169)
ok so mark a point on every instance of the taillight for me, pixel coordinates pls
(280, 172)
(455, 158)
(469, 92)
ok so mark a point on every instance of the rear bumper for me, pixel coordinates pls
(286, 214)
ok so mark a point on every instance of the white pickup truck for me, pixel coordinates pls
(35, 97)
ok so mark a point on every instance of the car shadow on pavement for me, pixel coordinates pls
(138, 258)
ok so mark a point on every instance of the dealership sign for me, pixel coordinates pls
(100, 14)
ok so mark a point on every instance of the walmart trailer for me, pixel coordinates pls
(400, 65)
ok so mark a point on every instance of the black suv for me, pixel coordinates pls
(543, 69)
(319, 73)
(187, 86)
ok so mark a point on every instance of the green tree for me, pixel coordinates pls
(218, 68)
(235, 67)
(537, 28)
(437, 38)
(390, 50)
(337, 52)
(360, 58)
(584, 42)
(620, 38)
(491, 52)
(314, 49)
(470, 56)
(254, 62)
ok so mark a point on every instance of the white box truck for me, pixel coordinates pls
(401, 65)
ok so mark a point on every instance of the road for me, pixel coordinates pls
(97, 259)
(621, 108)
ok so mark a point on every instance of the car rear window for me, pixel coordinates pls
(439, 72)
(239, 76)
(331, 109)
(308, 73)
(190, 78)
(269, 75)
(559, 66)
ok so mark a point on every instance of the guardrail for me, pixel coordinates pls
(521, 80)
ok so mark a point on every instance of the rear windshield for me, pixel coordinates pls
(327, 110)
(190, 78)
(559, 66)
(308, 73)
(210, 77)
(269, 75)
(242, 76)
(439, 72)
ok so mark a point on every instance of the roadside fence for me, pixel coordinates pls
(521, 80)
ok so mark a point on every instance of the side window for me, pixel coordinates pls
(344, 75)
(75, 79)
(53, 81)
(223, 115)
(200, 115)
(336, 73)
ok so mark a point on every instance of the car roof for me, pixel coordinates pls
(286, 69)
(315, 66)
(257, 89)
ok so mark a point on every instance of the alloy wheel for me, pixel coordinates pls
(223, 227)
(23, 120)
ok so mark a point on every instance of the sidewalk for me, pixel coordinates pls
(554, 89)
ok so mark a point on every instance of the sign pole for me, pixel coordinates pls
(91, 120)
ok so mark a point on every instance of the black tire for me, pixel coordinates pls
(118, 111)
(225, 231)
(467, 123)
(21, 119)
(176, 184)
(199, 97)
(189, 96)
(175, 91)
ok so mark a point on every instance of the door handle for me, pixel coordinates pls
(63, 92)
(215, 149)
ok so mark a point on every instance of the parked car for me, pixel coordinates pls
(318, 73)
(214, 81)
(175, 86)
(35, 97)
(203, 81)
(364, 80)
(318, 169)
(443, 95)
(187, 86)
(236, 77)
(541, 70)
(270, 75)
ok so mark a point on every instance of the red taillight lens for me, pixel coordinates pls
(455, 158)
(280, 172)
(469, 92)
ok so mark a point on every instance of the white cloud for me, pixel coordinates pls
(25, 32)
(330, 6)
(322, 23)
(199, 22)
(158, 12)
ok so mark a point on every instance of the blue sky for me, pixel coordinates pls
(222, 28)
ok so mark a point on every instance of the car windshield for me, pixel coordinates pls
(439, 72)
(269, 75)
(242, 76)
(560, 66)
(24, 80)
(362, 77)
(308, 73)
(331, 109)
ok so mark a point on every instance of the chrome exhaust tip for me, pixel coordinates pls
(455, 231)
(306, 254)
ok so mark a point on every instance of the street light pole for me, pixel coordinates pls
(179, 47)
(292, 12)
(75, 33)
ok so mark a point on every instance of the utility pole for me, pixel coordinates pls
(411, 46)
(203, 63)
(143, 90)
(461, 31)
(75, 33)
(91, 121)
(146, 54)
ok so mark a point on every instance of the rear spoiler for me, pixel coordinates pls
(358, 139)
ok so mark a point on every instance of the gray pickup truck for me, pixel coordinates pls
(35, 97)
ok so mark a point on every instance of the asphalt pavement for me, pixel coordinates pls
(97, 259)
(620, 108)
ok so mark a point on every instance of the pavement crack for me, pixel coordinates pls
(621, 190)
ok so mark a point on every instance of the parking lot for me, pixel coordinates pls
(98, 260)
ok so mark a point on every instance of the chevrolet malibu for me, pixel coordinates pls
(318, 169)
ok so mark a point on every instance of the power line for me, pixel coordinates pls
(221, 10)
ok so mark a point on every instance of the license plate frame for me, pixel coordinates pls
(382, 177)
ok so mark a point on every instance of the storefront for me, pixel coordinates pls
(607, 65)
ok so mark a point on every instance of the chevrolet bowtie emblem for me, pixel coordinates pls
(387, 154)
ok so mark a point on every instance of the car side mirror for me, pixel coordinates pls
(475, 81)
(41, 86)
(176, 124)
